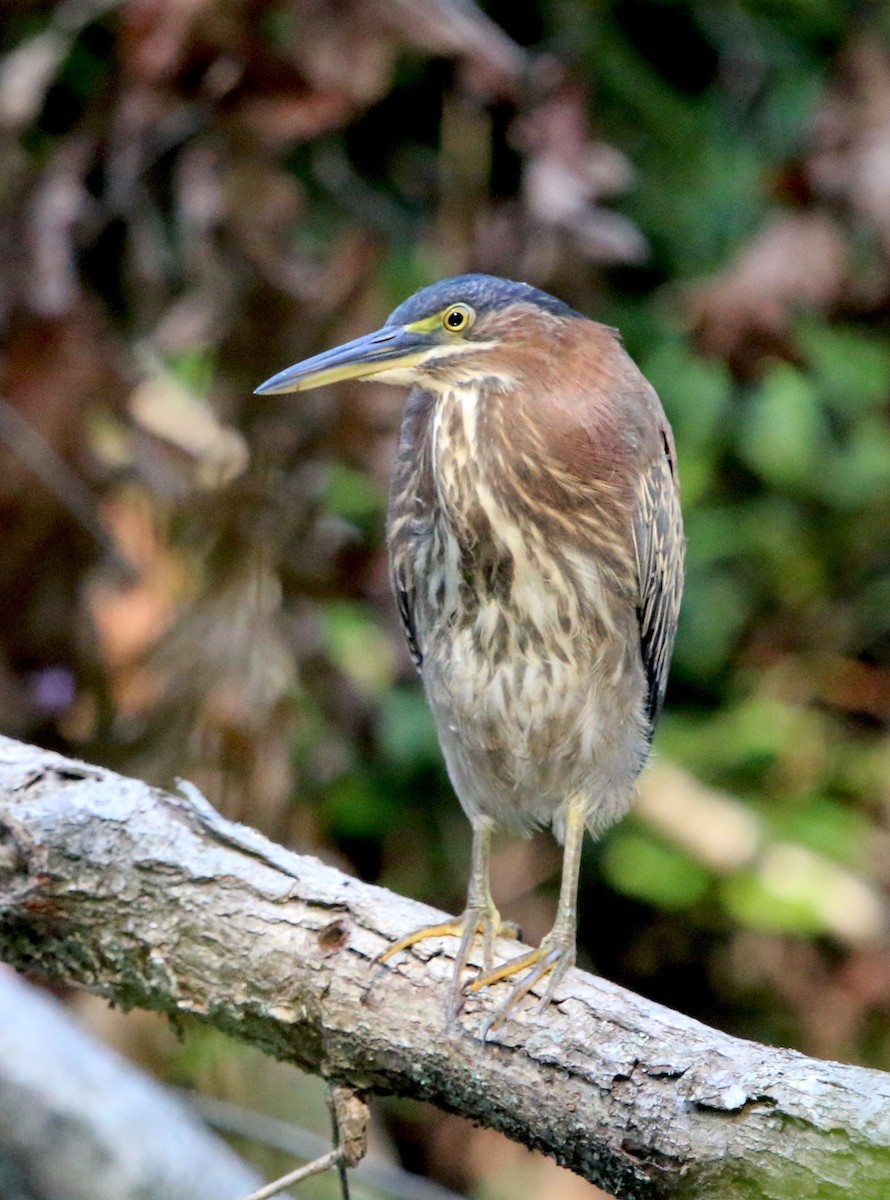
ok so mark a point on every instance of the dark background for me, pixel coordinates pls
(192, 580)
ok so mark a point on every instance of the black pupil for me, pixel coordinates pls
(455, 318)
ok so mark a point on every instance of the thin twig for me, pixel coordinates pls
(331, 1159)
(276, 1134)
(30, 446)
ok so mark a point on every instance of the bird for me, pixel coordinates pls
(536, 553)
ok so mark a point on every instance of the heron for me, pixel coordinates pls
(536, 549)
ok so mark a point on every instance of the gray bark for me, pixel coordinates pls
(77, 1122)
(152, 899)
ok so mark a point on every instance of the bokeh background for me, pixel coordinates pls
(194, 195)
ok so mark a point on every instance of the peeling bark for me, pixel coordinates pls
(152, 899)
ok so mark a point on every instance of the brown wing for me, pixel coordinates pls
(405, 600)
(660, 550)
(409, 518)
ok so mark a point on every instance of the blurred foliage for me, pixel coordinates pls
(193, 581)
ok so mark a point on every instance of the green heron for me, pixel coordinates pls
(536, 549)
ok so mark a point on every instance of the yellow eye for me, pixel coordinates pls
(458, 317)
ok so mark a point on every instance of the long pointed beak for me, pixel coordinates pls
(359, 359)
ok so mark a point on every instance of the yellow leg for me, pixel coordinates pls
(480, 919)
(556, 952)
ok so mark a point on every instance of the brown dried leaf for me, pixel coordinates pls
(294, 116)
(27, 72)
(797, 261)
(566, 175)
(850, 155)
(156, 36)
(493, 65)
(163, 408)
(58, 204)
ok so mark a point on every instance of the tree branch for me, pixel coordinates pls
(153, 900)
(77, 1122)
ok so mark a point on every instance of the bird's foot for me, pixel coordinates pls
(482, 922)
(553, 957)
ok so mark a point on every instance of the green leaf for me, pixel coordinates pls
(860, 471)
(715, 610)
(850, 367)
(358, 646)
(353, 495)
(824, 825)
(354, 808)
(647, 869)
(784, 437)
(753, 903)
(406, 730)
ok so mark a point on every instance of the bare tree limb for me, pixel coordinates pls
(153, 900)
(77, 1122)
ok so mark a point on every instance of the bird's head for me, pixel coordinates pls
(460, 331)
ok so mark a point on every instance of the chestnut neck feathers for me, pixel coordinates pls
(540, 424)
(518, 488)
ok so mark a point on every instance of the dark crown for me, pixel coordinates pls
(485, 293)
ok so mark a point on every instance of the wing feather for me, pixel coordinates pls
(405, 601)
(411, 504)
(660, 551)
